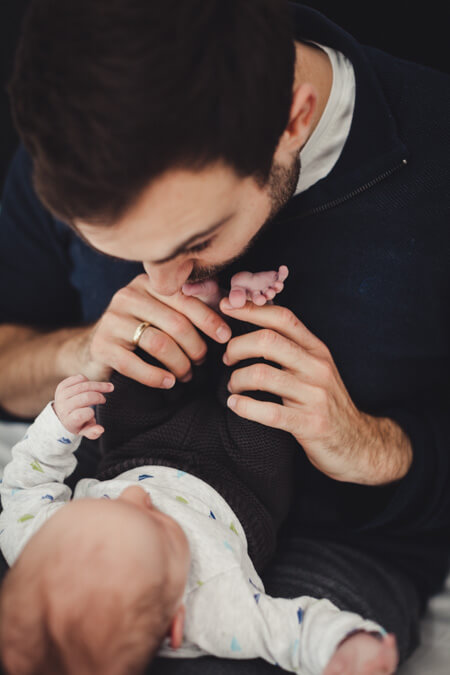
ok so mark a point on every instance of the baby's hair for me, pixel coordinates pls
(31, 643)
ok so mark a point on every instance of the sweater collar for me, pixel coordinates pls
(374, 148)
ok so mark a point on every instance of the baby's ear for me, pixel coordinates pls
(177, 628)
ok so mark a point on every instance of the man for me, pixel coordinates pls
(172, 136)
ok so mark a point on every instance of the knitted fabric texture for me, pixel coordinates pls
(190, 428)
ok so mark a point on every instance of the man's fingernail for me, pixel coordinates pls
(231, 402)
(187, 378)
(226, 360)
(226, 304)
(168, 382)
(223, 333)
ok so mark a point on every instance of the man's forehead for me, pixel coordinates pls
(112, 242)
(172, 214)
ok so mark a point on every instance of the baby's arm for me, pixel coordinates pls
(230, 617)
(33, 481)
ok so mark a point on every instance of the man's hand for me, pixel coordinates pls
(172, 337)
(316, 409)
(74, 398)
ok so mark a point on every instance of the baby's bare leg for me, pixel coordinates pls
(364, 654)
(259, 288)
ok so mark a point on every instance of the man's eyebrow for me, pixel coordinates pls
(97, 250)
(181, 247)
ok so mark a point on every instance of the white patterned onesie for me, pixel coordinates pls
(228, 614)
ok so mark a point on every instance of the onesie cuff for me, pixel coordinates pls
(48, 425)
(347, 625)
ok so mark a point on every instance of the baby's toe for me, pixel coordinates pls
(270, 294)
(258, 298)
(283, 273)
(278, 286)
(237, 297)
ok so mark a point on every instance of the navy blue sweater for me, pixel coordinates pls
(368, 248)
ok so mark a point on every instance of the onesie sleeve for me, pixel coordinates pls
(32, 488)
(230, 617)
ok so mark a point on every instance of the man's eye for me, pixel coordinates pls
(200, 247)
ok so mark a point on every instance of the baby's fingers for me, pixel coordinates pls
(80, 387)
(69, 382)
(92, 430)
(77, 419)
(84, 400)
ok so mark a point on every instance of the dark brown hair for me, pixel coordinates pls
(109, 94)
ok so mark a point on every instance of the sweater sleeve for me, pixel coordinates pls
(229, 617)
(34, 264)
(32, 487)
(420, 502)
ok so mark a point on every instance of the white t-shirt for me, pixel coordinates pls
(323, 148)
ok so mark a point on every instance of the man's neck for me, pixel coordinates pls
(313, 65)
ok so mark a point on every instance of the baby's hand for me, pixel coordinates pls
(74, 397)
(260, 288)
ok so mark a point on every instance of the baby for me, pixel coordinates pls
(152, 559)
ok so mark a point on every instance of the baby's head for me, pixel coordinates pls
(95, 590)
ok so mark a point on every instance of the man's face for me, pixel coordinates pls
(189, 225)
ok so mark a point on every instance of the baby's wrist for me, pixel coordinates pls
(378, 635)
(61, 420)
(55, 410)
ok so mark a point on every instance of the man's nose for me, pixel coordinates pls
(168, 279)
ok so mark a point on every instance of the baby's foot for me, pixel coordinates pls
(364, 654)
(207, 291)
(259, 288)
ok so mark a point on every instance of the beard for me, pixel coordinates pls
(203, 273)
(281, 186)
(282, 183)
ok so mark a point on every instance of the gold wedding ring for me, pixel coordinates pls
(139, 331)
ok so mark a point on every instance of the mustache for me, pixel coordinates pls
(204, 273)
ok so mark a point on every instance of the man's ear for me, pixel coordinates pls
(303, 107)
(177, 628)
